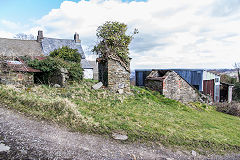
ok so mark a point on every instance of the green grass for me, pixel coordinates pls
(145, 116)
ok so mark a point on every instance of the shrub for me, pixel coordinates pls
(66, 53)
(236, 92)
(50, 66)
(229, 108)
(75, 71)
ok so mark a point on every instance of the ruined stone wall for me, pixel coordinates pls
(16, 78)
(155, 85)
(118, 77)
(175, 87)
(114, 76)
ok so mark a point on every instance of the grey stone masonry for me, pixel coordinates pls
(175, 87)
(114, 76)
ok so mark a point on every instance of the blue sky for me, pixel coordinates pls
(172, 34)
(27, 10)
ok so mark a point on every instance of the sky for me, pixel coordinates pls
(172, 34)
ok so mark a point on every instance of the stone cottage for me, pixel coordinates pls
(172, 86)
(16, 72)
(204, 81)
(42, 47)
(114, 74)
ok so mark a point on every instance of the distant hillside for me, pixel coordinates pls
(229, 72)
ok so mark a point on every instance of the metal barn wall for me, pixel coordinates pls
(141, 76)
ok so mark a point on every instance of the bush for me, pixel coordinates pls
(75, 71)
(236, 92)
(67, 54)
(50, 66)
(229, 108)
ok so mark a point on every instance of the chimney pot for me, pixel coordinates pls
(40, 36)
(76, 38)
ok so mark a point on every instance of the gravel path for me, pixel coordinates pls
(29, 138)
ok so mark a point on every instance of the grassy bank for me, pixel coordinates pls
(143, 116)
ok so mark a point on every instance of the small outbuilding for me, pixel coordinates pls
(172, 86)
(226, 92)
(114, 74)
(16, 72)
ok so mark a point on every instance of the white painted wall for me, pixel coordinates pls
(88, 73)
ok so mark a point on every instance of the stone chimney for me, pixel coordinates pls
(76, 38)
(40, 36)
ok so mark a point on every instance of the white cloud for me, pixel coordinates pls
(9, 24)
(5, 34)
(173, 33)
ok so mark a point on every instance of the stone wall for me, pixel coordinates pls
(175, 87)
(155, 85)
(60, 77)
(113, 75)
(118, 76)
(16, 78)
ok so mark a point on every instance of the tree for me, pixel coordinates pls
(227, 79)
(113, 41)
(236, 92)
(66, 53)
(24, 36)
(237, 67)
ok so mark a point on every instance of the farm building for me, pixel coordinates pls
(114, 74)
(173, 86)
(16, 72)
(43, 46)
(204, 81)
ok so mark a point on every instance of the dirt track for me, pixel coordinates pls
(29, 138)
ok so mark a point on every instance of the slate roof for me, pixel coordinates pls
(50, 44)
(16, 47)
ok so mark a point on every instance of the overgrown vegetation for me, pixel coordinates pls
(67, 54)
(64, 57)
(227, 79)
(113, 41)
(144, 116)
(236, 92)
(229, 108)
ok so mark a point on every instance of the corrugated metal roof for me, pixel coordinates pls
(20, 67)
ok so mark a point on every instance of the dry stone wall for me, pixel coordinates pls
(175, 87)
(118, 77)
(155, 85)
(113, 75)
(16, 78)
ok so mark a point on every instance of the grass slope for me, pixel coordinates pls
(144, 115)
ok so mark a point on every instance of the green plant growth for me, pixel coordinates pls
(66, 53)
(143, 116)
(236, 91)
(51, 66)
(227, 79)
(113, 41)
